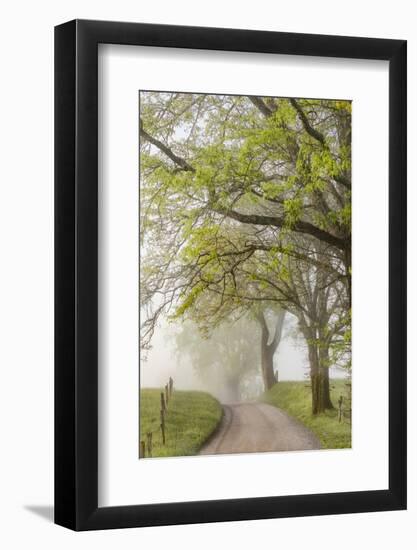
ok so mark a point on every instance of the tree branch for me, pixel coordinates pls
(318, 136)
(277, 221)
(306, 124)
(254, 219)
(278, 329)
(259, 104)
(182, 163)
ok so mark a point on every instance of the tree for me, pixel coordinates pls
(269, 345)
(311, 287)
(234, 189)
(278, 164)
(226, 359)
(321, 318)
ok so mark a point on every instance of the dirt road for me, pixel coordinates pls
(257, 427)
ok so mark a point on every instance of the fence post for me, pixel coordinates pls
(163, 407)
(171, 386)
(163, 425)
(340, 402)
(166, 395)
(149, 438)
(142, 453)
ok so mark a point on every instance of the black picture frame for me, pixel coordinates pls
(76, 272)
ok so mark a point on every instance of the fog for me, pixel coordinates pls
(168, 357)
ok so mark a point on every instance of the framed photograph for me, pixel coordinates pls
(230, 284)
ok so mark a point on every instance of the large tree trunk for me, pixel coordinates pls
(324, 375)
(267, 362)
(315, 378)
(319, 376)
(268, 348)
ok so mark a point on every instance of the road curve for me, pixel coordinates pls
(258, 427)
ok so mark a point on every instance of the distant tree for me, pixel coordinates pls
(270, 340)
(226, 359)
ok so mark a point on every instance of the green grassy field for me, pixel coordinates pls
(295, 399)
(190, 419)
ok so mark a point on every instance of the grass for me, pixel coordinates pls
(190, 419)
(295, 399)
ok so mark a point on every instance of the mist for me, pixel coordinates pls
(169, 357)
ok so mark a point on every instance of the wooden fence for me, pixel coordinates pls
(345, 405)
(145, 446)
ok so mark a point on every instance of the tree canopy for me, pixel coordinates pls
(245, 205)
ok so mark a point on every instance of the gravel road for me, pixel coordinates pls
(258, 427)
